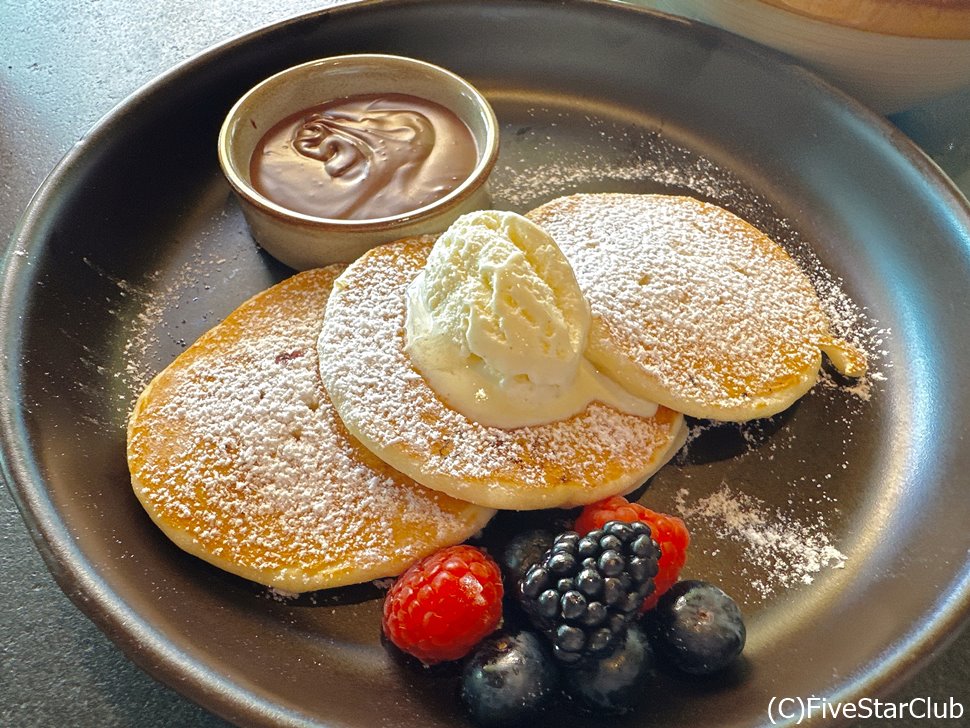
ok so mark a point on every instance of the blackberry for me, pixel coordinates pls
(585, 590)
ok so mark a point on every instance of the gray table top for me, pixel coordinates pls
(63, 65)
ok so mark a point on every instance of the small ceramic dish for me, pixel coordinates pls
(303, 240)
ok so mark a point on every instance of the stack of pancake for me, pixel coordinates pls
(296, 445)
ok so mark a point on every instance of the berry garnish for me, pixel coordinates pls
(444, 604)
(614, 683)
(669, 532)
(698, 627)
(508, 679)
(585, 590)
(524, 550)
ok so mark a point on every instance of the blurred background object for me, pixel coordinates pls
(890, 54)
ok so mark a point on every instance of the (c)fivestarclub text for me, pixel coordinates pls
(800, 710)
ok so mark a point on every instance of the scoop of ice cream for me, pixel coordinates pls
(498, 326)
(497, 287)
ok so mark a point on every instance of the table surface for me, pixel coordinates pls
(63, 65)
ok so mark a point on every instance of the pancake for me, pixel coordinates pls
(693, 307)
(238, 456)
(388, 406)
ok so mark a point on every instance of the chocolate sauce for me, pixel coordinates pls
(363, 157)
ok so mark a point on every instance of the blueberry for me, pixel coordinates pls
(698, 627)
(508, 679)
(522, 552)
(615, 683)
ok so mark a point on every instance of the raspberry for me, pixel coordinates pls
(444, 604)
(669, 532)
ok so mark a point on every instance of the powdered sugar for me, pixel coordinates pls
(703, 312)
(374, 388)
(237, 452)
(780, 551)
(643, 160)
(539, 166)
(555, 153)
(149, 333)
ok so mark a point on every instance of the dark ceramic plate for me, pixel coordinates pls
(134, 247)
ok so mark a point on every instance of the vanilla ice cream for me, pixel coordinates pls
(497, 325)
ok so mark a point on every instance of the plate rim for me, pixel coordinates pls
(148, 648)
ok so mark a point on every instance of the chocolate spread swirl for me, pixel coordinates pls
(364, 157)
